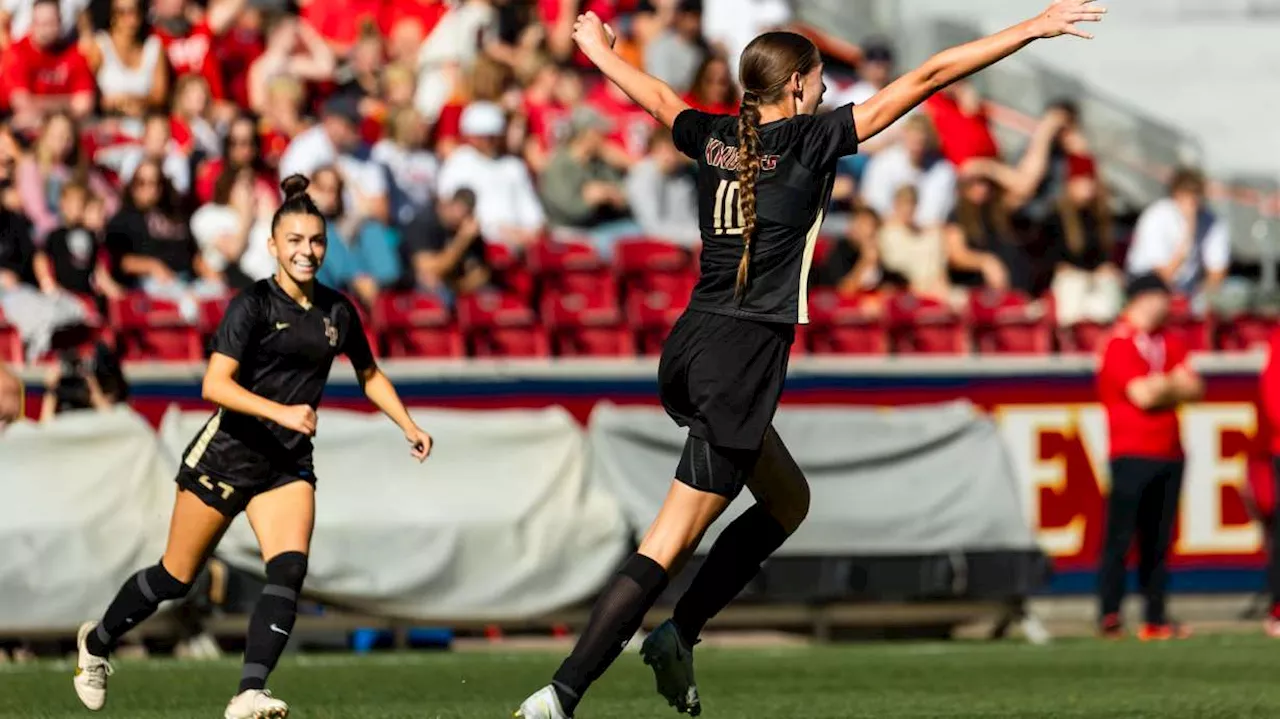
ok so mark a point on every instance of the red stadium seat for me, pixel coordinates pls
(1083, 337)
(566, 266)
(1196, 331)
(845, 325)
(1244, 333)
(919, 325)
(211, 313)
(370, 331)
(637, 261)
(501, 324)
(555, 257)
(10, 342)
(509, 272)
(1010, 323)
(652, 313)
(414, 324)
(153, 329)
(587, 324)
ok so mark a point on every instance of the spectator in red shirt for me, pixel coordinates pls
(243, 43)
(42, 73)
(1143, 378)
(190, 45)
(1269, 429)
(632, 126)
(341, 22)
(963, 127)
(241, 149)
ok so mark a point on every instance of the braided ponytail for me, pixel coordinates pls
(767, 65)
(748, 173)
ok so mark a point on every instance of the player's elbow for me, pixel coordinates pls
(212, 389)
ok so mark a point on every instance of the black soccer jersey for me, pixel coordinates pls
(285, 353)
(798, 158)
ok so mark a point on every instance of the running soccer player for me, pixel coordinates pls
(764, 179)
(271, 359)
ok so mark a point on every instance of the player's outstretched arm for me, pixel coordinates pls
(378, 388)
(221, 388)
(956, 63)
(595, 39)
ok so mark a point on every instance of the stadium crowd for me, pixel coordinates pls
(478, 178)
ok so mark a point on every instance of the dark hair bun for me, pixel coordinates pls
(294, 185)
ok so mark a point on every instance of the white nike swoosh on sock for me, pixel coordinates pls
(278, 630)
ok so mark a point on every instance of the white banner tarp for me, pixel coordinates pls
(914, 480)
(499, 523)
(85, 505)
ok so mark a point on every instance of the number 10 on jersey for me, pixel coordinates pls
(727, 216)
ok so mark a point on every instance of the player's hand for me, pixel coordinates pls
(591, 34)
(1061, 18)
(419, 442)
(300, 418)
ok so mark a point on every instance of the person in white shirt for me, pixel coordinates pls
(336, 142)
(450, 51)
(507, 204)
(1182, 241)
(413, 170)
(232, 230)
(915, 161)
(663, 193)
(731, 24)
(157, 144)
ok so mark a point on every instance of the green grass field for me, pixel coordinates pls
(1231, 677)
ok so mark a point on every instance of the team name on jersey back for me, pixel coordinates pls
(726, 157)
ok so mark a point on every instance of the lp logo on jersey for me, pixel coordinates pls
(331, 332)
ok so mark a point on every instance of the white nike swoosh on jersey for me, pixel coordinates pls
(282, 326)
(278, 630)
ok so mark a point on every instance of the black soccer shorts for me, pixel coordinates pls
(231, 495)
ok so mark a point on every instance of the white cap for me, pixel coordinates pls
(483, 119)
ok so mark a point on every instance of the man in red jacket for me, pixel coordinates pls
(1142, 379)
(43, 73)
(1269, 433)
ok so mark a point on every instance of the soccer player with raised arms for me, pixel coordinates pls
(271, 358)
(764, 180)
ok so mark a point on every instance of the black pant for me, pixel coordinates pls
(1144, 498)
(1273, 562)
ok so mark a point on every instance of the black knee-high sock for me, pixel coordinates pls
(136, 600)
(734, 560)
(614, 620)
(272, 618)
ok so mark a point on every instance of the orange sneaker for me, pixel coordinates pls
(1111, 627)
(1163, 632)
